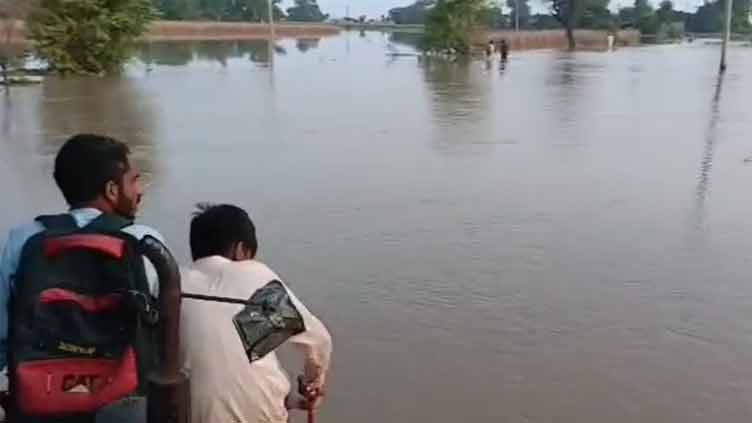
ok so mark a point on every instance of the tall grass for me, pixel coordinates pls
(12, 31)
(173, 30)
(186, 30)
(556, 39)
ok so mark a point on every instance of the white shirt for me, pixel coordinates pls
(225, 387)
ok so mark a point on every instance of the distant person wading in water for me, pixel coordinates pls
(504, 50)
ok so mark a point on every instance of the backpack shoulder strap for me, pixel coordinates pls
(107, 222)
(58, 222)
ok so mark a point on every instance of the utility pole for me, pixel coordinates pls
(272, 35)
(271, 18)
(726, 33)
(517, 15)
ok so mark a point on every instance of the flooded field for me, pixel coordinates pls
(564, 240)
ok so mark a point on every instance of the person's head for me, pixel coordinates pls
(94, 171)
(222, 230)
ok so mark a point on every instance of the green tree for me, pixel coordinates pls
(253, 10)
(642, 8)
(414, 14)
(665, 12)
(568, 13)
(177, 9)
(740, 20)
(581, 13)
(645, 16)
(214, 9)
(544, 21)
(524, 11)
(597, 16)
(306, 11)
(707, 18)
(220, 10)
(627, 17)
(451, 24)
(88, 36)
(496, 18)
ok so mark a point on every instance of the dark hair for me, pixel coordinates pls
(85, 164)
(215, 229)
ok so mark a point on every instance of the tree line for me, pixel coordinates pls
(238, 10)
(661, 19)
(98, 36)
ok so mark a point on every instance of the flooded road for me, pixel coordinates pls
(568, 240)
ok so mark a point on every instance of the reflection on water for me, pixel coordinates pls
(569, 81)
(406, 38)
(516, 239)
(112, 106)
(460, 100)
(706, 164)
(168, 53)
(217, 51)
(36, 121)
(305, 44)
(459, 91)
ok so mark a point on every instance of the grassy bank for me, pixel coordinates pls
(556, 39)
(183, 30)
(12, 32)
(176, 31)
(179, 31)
(386, 27)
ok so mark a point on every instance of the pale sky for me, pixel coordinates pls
(376, 8)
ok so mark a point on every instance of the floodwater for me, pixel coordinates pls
(568, 240)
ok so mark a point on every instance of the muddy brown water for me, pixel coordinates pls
(568, 239)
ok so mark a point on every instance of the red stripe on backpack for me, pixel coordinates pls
(109, 302)
(108, 245)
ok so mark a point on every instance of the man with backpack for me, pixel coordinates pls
(79, 295)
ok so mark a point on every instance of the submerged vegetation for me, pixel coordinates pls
(451, 24)
(88, 37)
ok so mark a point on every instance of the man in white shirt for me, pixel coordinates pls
(225, 386)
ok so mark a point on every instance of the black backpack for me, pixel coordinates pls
(82, 324)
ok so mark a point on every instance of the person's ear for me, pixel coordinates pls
(240, 252)
(111, 192)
